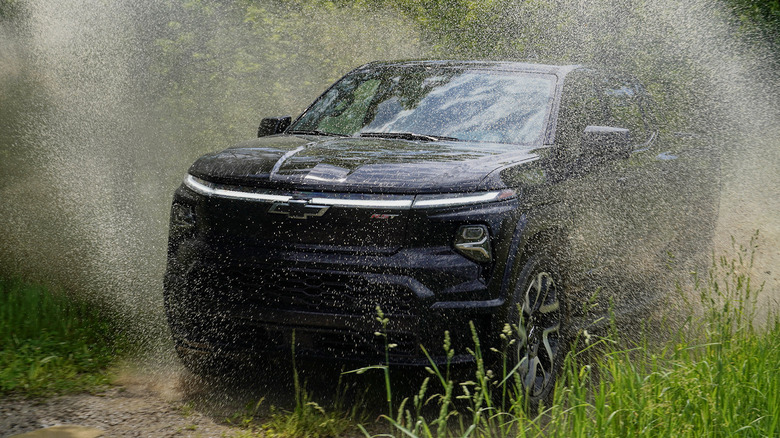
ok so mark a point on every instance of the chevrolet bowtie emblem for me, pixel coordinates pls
(298, 209)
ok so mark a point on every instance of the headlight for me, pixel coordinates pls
(473, 241)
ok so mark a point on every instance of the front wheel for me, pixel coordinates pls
(537, 318)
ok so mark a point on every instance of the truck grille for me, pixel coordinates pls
(304, 290)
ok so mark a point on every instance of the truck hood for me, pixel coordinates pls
(353, 164)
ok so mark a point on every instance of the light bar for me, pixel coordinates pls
(395, 202)
(453, 199)
(206, 188)
(364, 203)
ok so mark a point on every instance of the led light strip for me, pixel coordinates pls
(204, 188)
(404, 204)
(456, 200)
(443, 200)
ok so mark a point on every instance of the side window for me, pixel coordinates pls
(624, 105)
(580, 107)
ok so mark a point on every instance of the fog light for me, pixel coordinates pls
(473, 241)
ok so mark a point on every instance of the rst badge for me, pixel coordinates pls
(383, 216)
(298, 209)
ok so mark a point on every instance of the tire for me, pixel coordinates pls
(538, 318)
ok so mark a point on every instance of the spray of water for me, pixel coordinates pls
(103, 106)
(709, 76)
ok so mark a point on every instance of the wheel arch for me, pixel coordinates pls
(541, 229)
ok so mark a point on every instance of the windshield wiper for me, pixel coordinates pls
(407, 136)
(314, 132)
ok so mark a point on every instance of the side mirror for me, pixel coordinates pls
(606, 142)
(273, 125)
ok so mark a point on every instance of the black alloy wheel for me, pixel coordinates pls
(537, 321)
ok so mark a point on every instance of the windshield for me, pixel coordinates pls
(446, 104)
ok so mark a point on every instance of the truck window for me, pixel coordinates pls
(580, 107)
(623, 100)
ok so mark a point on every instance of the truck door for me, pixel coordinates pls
(618, 202)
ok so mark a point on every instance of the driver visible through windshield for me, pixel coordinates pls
(430, 105)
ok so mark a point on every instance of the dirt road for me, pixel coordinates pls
(156, 397)
(140, 407)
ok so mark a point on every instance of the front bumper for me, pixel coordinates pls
(250, 301)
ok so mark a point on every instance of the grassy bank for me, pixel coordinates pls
(52, 343)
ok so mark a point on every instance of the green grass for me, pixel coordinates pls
(52, 343)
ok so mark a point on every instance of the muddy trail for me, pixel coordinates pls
(129, 410)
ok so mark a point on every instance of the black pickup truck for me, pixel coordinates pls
(521, 197)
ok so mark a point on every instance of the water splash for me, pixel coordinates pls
(104, 106)
(117, 100)
(709, 74)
